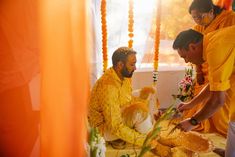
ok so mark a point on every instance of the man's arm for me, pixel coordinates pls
(113, 118)
(202, 96)
(215, 101)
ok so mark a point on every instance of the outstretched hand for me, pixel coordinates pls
(158, 114)
(185, 125)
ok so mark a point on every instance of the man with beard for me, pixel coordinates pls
(111, 107)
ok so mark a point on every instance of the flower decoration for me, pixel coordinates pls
(157, 42)
(96, 146)
(186, 86)
(104, 34)
(131, 23)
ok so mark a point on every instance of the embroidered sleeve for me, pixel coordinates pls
(113, 118)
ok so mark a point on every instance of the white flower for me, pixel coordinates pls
(185, 86)
(97, 146)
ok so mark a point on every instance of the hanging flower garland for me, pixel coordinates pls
(130, 23)
(104, 34)
(157, 42)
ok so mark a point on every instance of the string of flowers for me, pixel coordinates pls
(104, 34)
(157, 42)
(131, 23)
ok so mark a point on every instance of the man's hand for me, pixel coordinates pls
(185, 125)
(200, 78)
(184, 106)
(157, 115)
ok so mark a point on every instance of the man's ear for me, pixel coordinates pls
(120, 65)
(192, 46)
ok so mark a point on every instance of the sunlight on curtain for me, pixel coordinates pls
(117, 28)
(175, 17)
(65, 81)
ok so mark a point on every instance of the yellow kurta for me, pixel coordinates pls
(109, 96)
(219, 52)
(219, 121)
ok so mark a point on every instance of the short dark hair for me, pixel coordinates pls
(204, 6)
(121, 54)
(184, 38)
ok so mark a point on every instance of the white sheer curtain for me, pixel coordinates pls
(117, 27)
(174, 18)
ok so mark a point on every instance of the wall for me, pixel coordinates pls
(168, 79)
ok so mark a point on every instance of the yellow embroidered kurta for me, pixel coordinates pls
(219, 52)
(219, 121)
(108, 97)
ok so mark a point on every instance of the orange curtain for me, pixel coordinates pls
(19, 53)
(19, 63)
(64, 77)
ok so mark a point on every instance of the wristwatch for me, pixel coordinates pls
(193, 121)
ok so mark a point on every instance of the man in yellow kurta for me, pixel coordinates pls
(218, 49)
(208, 18)
(111, 94)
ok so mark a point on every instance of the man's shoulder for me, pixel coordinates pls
(230, 14)
(223, 34)
(106, 80)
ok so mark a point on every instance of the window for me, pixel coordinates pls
(175, 18)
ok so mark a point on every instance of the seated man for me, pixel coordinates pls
(111, 100)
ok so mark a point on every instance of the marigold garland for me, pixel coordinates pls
(104, 34)
(131, 24)
(157, 41)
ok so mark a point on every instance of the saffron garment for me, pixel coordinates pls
(219, 52)
(109, 97)
(219, 121)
